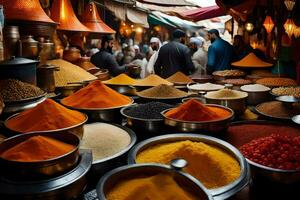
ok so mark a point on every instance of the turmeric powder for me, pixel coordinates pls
(37, 148)
(47, 115)
(193, 110)
(251, 60)
(212, 166)
(96, 95)
(160, 187)
(152, 80)
(121, 79)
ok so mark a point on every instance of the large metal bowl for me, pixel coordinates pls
(257, 97)
(258, 171)
(123, 89)
(68, 89)
(103, 114)
(76, 129)
(109, 180)
(17, 170)
(218, 193)
(211, 127)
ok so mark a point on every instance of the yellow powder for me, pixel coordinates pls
(179, 77)
(210, 165)
(226, 94)
(251, 61)
(121, 79)
(152, 80)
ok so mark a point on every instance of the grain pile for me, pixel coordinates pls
(152, 80)
(226, 94)
(69, 73)
(289, 91)
(104, 139)
(15, 90)
(179, 77)
(162, 92)
(277, 82)
(255, 88)
(238, 81)
(206, 87)
(277, 109)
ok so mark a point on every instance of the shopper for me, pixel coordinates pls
(199, 57)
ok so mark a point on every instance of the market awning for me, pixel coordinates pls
(203, 13)
(165, 9)
(168, 2)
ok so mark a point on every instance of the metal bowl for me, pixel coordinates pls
(272, 117)
(76, 129)
(68, 90)
(215, 126)
(296, 119)
(123, 89)
(102, 114)
(257, 97)
(109, 180)
(261, 172)
(167, 100)
(218, 193)
(287, 99)
(17, 170)
(202, 78)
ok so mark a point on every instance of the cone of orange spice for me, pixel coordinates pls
(46, 116)
(96, 95)
(195, 111)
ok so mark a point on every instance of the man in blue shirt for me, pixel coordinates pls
(219, 52)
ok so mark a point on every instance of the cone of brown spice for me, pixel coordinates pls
(162, 92)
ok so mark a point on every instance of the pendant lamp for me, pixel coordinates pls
(63, 13)
(289, 27)
(92, 20)
(249, 26)
(268, 24)
(289, 4)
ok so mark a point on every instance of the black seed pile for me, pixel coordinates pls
(149, 110)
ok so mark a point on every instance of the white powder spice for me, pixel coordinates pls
(104, 140)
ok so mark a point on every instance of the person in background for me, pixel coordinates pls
(240, 48)
(219, 52)
(199, 57)
(104, 58)
(174, 56)
(155, 45)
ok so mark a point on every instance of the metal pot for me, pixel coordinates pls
(85, 63)
(19, 68)
(45, 77)
(46, 51)
(11, 39)
(72, 54)
(28, 47)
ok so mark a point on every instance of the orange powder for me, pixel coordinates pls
(96, 95)
(121, 79)
(37, 148)
(193, 110)
(47, 115)
(152, 80)
(251, 61)
(179, 77)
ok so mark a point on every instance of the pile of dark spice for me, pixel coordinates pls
(15, 90)
(278, 109)
(149, 110)
(162, 91)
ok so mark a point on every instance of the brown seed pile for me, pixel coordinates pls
(278, 109)
(238, 81)
(290, 91)
(276, 82)
(229, 73)
(162, 91)
(15, 90)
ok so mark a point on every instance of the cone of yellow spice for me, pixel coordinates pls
(212, 166)
(121, 79)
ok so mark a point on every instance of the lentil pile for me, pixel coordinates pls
(275, 151)
(162, 91)
(158, 186)
(105, 140)
(15, 90)
(205, 87)
(179, 77)
(238, 81)
(149, 110)
(277, 82)
(152, 80)
(278, 109)
(226, 94)
(229, 73)
(290, 91)
(255, 88)
(121, 79)
(201, 157)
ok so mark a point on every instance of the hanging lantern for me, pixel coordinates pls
(249, 26)
(297, 32)
(268, 24)
(289, 4)
(289, 27)
(63, 13)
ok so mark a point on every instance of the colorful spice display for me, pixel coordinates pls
(121, 79)
(255, 88)
(205, 87)
(47, 115)
(105, 140)
(225, 73)
(15, 90)
(179, 77)
(69, 73)
(201, 158)
(243, 133)
(162, 91)
(37, 148)
(151, 110)
(159, 186)
(238, 81)
(96, 95)
(251, 60)
(226, 94)
(195, 111)
(152, 80)
(290, 91)
(278, 109)
(275, 151)
(277, 82)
